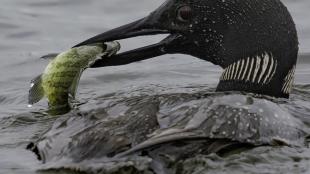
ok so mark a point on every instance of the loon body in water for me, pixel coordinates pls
(256, 44)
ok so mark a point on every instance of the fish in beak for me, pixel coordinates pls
(161, 21)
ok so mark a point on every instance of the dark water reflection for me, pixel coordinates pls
(32, 28)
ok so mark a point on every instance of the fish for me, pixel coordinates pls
(60, 79)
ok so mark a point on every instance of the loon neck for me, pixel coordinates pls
(262, 74)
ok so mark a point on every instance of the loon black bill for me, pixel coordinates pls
(137, 28)
(153, 24)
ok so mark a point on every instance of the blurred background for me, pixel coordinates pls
(32, 28)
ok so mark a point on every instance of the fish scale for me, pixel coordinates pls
(61, 76)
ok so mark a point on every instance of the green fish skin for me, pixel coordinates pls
(61, 77)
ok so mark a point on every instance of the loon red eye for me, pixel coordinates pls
(184, 13)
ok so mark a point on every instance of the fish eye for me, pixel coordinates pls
(184, 13)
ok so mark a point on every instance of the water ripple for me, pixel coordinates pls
(22, 34)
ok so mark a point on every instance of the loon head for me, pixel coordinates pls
(255, 42)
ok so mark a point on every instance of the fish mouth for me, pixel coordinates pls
(143, 27)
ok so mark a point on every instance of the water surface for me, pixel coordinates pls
(32, 28)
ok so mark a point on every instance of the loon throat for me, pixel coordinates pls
(260, 74)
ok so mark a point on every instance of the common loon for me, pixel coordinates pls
(256, 44)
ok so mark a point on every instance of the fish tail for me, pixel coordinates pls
(36, 92)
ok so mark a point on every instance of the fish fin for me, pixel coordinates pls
(50, 56)
(74, 85)
(36, 92)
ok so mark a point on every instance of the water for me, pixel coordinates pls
(30, 29)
